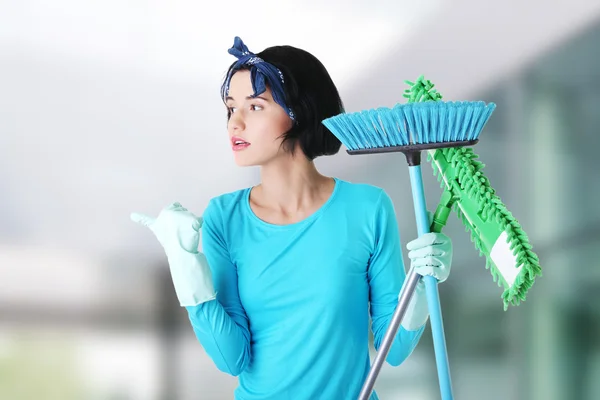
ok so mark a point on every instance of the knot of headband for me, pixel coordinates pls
(261, 74)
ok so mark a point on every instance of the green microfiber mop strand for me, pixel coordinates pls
(421, 90)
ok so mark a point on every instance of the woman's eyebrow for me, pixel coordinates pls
(228, 98)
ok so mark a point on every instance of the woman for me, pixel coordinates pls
(280, 294)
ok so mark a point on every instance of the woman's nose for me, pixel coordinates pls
(236, 123)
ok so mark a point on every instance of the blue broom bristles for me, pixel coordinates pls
(411, 123)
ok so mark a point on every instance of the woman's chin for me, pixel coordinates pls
(242, 160)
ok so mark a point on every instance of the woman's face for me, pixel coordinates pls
(255, 125)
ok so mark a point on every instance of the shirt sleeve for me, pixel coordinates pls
(386, 276)
(221, 325)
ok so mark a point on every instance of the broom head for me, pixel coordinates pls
(411, 127)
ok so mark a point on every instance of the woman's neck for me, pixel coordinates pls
(290, 189)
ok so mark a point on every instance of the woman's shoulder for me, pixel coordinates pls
(230, 198)
(226, 204)
(361, 192)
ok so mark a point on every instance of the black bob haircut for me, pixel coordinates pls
(310, 93)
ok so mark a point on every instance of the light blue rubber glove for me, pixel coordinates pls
(178, 231)
(430, 254)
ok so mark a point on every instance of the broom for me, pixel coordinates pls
(433, 126)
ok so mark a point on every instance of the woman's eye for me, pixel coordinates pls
(255, 107)
(231, 109)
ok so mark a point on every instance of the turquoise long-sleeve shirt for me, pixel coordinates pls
(291, 317)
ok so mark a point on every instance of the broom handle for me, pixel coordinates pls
(406, 294)
(431, 286)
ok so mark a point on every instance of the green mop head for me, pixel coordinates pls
(494, 230)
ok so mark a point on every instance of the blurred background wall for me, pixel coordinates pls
(111, 107)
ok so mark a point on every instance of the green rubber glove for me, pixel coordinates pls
(178, 231)
(430, 254)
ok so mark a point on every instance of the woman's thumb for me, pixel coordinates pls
(197, 224)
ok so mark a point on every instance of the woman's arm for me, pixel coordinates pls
(221, 325)
(386, 276)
